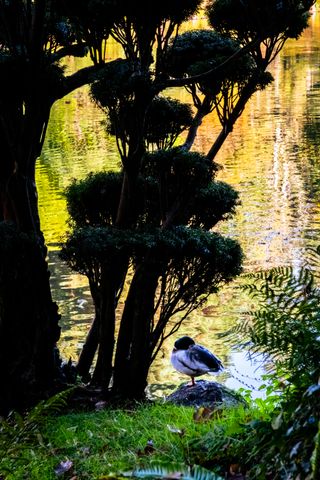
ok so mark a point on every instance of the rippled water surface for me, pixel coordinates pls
(271, 158)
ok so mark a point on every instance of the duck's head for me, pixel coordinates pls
(183, 343)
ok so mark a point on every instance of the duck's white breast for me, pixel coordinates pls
(181, 362)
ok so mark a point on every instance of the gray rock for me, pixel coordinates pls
(205, 394)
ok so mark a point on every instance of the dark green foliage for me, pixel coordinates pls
(227, 89)
(212, 204)
(262, 79)
(89, 22)
(185, 170)
(210, 252)
(200, 262)
(248, 19)
(166, 119)
(94, 200)
(280, 445)
(87, 246)
(92, 19)
(191, 263)
(116, 84)
(116, 92)
(198, 51)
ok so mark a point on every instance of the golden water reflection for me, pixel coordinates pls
(271, 158)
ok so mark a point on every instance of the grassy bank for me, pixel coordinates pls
(92, 445)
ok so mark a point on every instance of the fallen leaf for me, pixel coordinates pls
(176, 430)
(63, 467)
(100, 405)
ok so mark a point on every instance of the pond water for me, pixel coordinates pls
(271, 158)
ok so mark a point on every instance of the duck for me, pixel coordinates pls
(193, 360)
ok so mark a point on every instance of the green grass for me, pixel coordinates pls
(112, 441)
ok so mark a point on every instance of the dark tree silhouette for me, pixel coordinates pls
(35, 36)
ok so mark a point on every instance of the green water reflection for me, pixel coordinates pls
(272, 159)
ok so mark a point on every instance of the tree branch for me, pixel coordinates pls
(82, 77)
(76, 50)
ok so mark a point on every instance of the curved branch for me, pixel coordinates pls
(82, 77)
(76, 50)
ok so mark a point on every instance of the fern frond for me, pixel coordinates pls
(174, 470)
(315, 460)
(18, 432)
(50, 406)
(286, 322)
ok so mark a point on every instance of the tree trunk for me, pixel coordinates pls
(28, 317)
(112, 278)
(133, 355)
(28, 328)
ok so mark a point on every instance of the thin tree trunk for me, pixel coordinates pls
(246, 94)
(204, 109)
(103, 369)
(88, 350)
(91, 343)
(193, 130)
(133, 354)
(223, 135)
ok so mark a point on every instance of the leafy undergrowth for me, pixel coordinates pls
(103, 443)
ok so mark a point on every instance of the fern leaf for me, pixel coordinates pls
(285, 324)
(173, 470)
